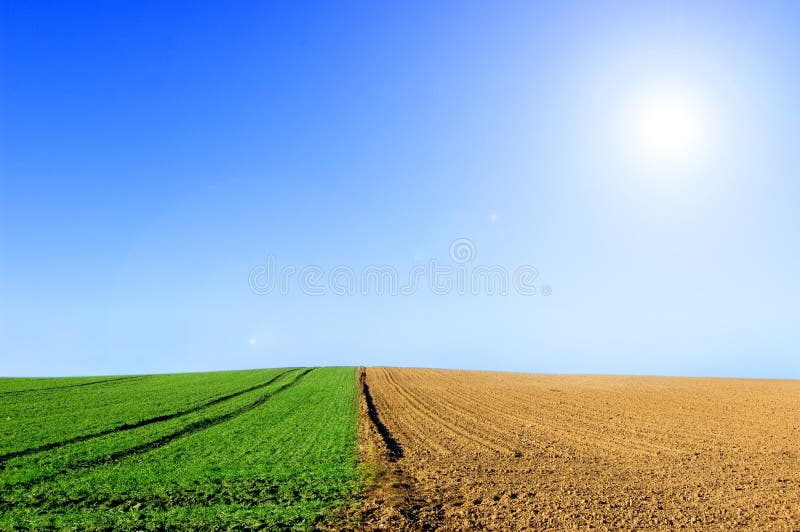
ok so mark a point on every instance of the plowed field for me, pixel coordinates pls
(510, 451)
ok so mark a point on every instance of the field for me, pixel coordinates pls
(247, 449)
(398, 449)
(471, 450)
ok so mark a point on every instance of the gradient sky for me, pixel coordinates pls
(153, 153)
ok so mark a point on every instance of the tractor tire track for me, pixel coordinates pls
(142, 423)
(188, 430)
(114, 380)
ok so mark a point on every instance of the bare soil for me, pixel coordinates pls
(457, 450)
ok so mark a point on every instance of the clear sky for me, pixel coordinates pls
(643, 157)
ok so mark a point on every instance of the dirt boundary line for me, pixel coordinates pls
(393, 447)
(389, 500)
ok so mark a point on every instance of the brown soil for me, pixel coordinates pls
(512, 451)
(389, 501)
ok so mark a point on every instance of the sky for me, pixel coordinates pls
(641, 158)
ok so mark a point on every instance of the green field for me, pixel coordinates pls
(272, 448)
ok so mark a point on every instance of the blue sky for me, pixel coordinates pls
(152, 154)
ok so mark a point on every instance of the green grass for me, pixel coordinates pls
(267, 448)
(39, 413)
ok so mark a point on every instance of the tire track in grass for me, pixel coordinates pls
(142, 423)
(189, 429)
(91, 383)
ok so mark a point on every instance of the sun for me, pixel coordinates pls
(669, 126)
